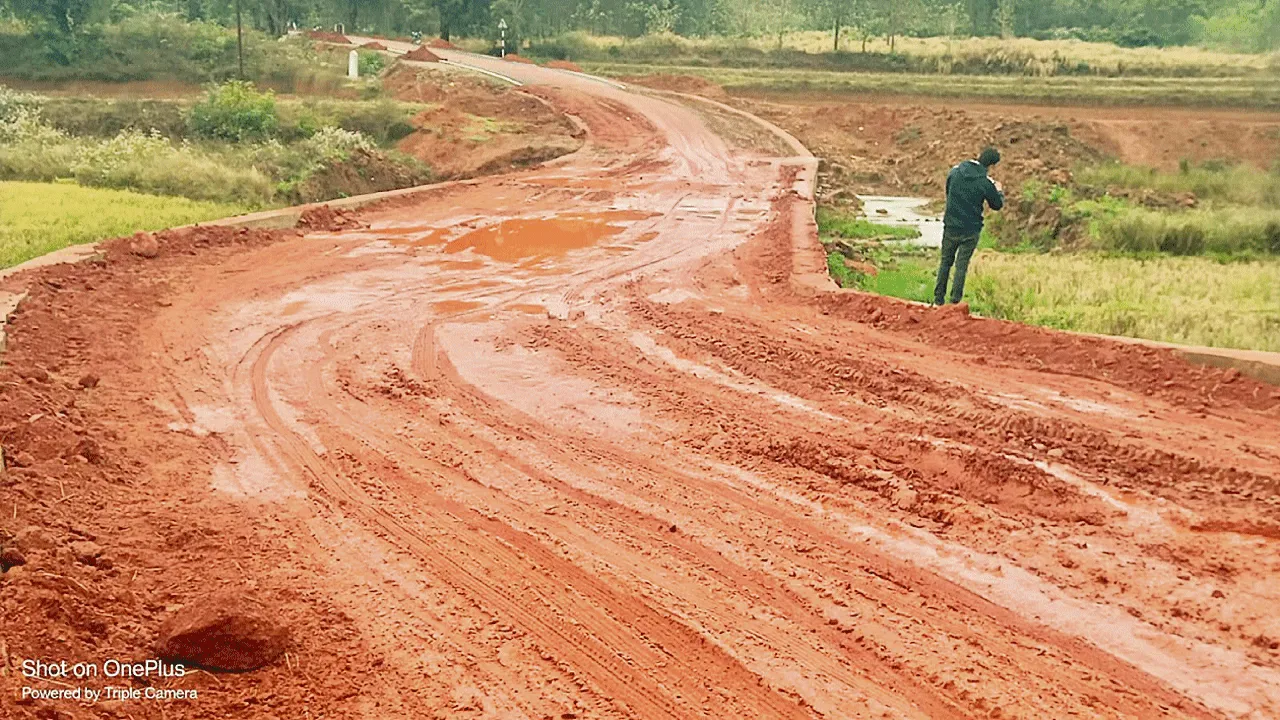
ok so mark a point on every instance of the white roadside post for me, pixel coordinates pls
(353, 65)
(502, 25)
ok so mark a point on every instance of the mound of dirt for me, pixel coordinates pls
(87, 585)
(374, 45)
(452, 143)
(564, 65)
(421, 54)
(328, 219)
(330, 37)
(512, 57)
(223, 631)
(908, 149)
(442, 44)
(678, 83)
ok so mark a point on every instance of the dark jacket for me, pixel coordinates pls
(967, 187)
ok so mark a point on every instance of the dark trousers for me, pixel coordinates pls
(956, 250)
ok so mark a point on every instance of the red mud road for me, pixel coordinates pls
(574, 443)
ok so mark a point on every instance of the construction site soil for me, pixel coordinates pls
(593, 440)
(897, 145)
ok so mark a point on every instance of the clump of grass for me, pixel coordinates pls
(37, 218)
(1188, 300)
(834, 223)
(1239, 231)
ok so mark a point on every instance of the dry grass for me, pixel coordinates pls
(1189, 300)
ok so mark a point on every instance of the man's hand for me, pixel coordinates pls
(999, 187)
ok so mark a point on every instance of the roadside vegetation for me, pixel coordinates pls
(152, 46)
(235, 145)
(38, 218)
(1190, 257)
(919, 55)
(1256, 91)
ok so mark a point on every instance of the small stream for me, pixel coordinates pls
(904, 212)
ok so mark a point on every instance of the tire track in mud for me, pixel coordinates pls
(852, 524)
(903, 575)
(592, 650)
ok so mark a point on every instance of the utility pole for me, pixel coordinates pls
(502, 26)
(239, 40)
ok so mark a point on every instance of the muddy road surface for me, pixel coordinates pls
(595, 441)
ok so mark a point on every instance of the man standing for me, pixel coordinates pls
(968, 187)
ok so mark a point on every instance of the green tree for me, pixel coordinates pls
(67, 28)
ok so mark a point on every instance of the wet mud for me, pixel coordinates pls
(573, 443)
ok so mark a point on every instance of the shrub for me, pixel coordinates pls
(371, 62)
(15, 102)
(152, 164)
(235, 111)
(384, 121)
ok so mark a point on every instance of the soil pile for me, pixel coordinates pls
(330, 37)
(442, 44)
(904, 149)
(363, 172)
(225, 631)
(374, 45)
(512, 57)
(455, 144)
(564, 65)
(329, 219)
(421, 54)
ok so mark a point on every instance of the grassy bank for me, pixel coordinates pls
(1261, 91)
(1216, 209)
(951, 56)
(1189, 300)
(236, 145)
(38, 218)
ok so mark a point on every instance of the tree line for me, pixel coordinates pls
(1244, 25)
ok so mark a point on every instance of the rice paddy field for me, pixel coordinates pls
(38, 218)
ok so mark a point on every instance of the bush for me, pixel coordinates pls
(384, 121)
(235, 111)
(152, 164)
(371, 62)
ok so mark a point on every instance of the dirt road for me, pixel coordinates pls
(581, 443)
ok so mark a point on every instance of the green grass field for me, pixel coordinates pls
(38, 218)
(1188, 300)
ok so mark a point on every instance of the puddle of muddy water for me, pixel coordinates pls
(528, 308)
(525, 238)
(454, 307)
(904, 212)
